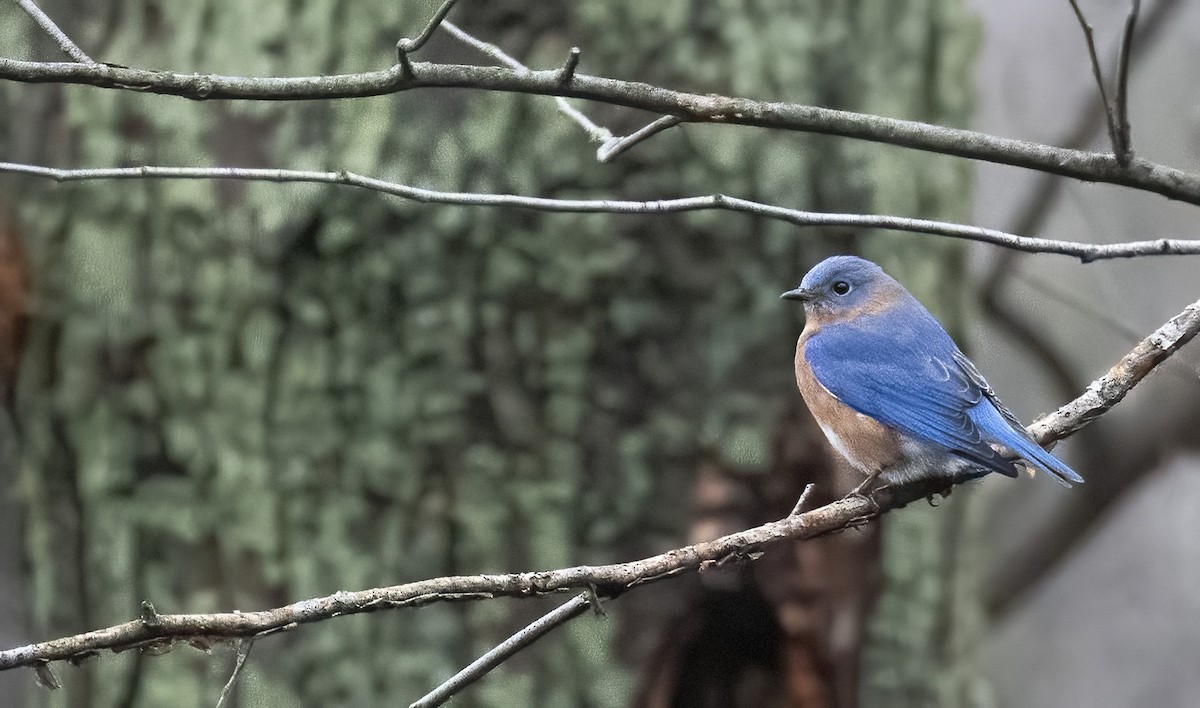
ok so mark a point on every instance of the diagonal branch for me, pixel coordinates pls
(595, 132)
(161, 631)
(503, 651)
(1108, 390)
(1140, 174)
(64, 42)
(1085, 252)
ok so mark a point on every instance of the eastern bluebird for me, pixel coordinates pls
(892, 391)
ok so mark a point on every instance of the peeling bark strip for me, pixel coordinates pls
(161, 631)
(695, 108)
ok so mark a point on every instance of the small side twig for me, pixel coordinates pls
(796, 510)
(408, 45)
(243, 652)
(596, 133)
(148, 615)
(1109, 111)
(501, 652)
(64, 42)
(567, 73)
(1123, 147)
(615, 146)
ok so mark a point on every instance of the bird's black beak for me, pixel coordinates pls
(801, 294)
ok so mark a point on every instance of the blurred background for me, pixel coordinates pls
(226, 396)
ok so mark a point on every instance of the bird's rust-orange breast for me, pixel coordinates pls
(868, 444)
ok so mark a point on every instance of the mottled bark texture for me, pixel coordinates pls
(236, 395)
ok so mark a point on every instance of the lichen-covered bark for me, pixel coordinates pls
(241, 394)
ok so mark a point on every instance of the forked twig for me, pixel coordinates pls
(1116, 111)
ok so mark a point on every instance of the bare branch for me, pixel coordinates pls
(609, 580)
(1108, 390)
(595, 132)
(1109, 110)
(409, 45)
(64, 42)
(243, 652)
(501, 652)
(615, 146)
(1140, 174)
(1086, 252)
(1124, 145)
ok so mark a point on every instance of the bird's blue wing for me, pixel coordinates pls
(904, 371)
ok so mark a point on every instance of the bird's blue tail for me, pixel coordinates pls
(995, 426)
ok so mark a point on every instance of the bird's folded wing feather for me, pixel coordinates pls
(910, 378)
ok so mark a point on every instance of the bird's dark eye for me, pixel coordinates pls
(841, 287)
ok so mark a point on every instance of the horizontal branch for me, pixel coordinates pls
(60, 38)
(161, 631)
(1139, 174)
(719, 202)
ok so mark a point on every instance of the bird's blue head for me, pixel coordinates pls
(845, 286)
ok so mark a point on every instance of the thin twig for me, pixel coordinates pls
(64, 42)
(844, 513)
(487, 49)
(615, 146)
(500, 653)
(243, 652)
(596, 133)
(808, 488)
(610, 145)
(408, 45)
(1124, 145)
(1109, 110)
(1141, 174)
(1085, 252)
